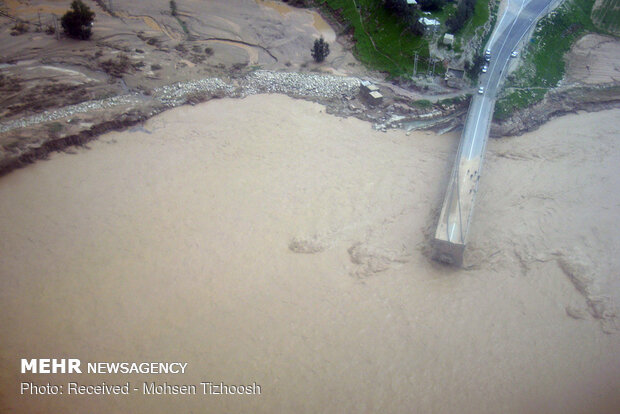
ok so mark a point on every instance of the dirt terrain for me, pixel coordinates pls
(140, 49)
(140, 46)
(593, 60)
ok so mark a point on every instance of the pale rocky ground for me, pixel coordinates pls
(239, 34)
(594, 59)
(264, 240)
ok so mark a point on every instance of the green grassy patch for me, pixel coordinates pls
(382, 41)
(444, 14)
(421, 103)
(453, 101)
(607, 16)
(474, 26)
(480, 17)
(543, 65)
(517, 99)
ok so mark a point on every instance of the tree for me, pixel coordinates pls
(297, 3)
(464, 11)
(431, 5)
(473, 68)
(398, 7)
(416, 27)
(320, 50)
(77, 22)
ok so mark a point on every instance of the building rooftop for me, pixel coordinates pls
(429, 22)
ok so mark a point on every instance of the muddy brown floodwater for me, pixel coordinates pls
(262, 240)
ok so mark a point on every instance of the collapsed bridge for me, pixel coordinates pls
(457, 211)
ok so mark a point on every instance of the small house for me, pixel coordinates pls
(430, 25)
(448, 39)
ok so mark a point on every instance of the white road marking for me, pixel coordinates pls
(471, 149)
(499, 25)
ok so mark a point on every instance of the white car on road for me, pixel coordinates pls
(485, 68)
(481, 90)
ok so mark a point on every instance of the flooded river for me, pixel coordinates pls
(264, 241)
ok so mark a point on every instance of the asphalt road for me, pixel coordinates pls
(457, 211)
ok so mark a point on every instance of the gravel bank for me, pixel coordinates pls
(300, 85)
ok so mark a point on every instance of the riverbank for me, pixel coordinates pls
(29, 138)
(59, 93)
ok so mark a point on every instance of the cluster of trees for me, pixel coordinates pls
(473, 68)
(432, 5)
(398, 7)
(464, 11)
(410, 14)
(407, 13)
(402, 8)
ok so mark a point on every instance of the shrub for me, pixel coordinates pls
(77, 22)
(464, 11)
(431, 5)
(19, 28)
(320, 50)
(398, 7)
(473, 68)
(416, 27)
(117, 67)
(297, 3)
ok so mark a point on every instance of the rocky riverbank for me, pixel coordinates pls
(557, 103)
(27, 139)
